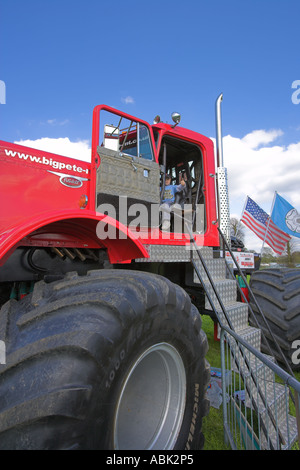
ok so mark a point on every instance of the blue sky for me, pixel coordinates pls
(60, 58)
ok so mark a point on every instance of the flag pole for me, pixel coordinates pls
(272, 207)
(245, 203)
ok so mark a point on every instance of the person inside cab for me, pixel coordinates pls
(168, 200)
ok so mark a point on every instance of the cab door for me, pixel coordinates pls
(128, 172)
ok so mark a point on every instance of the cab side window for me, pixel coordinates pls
(126, 136)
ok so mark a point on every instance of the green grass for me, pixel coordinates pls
(213, 423)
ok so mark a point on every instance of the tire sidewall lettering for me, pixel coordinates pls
(117, 363)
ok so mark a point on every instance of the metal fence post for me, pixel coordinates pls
(227, 434)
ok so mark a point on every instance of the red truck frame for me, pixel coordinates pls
(50, 200)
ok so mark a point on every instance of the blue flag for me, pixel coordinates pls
(286, 217)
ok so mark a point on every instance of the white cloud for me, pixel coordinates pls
(261, 137)
(128, 100)
(258, 169)
(259, 172)
(62, 146)
(55, 122)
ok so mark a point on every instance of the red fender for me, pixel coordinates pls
(74, 229)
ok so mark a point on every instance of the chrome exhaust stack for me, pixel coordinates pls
(222, 181)
(219, 131)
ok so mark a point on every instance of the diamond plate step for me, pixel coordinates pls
(288, 429)
(251, 335)
(275, 398)
(207, 252)
(227, 291)
(238, 315)
(262, 373)
(216, 268)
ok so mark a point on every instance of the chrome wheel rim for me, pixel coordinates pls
(151, 403)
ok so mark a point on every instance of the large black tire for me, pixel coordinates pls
(114, 359)
(277, 292)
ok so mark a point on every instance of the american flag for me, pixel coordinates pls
(260, 223)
